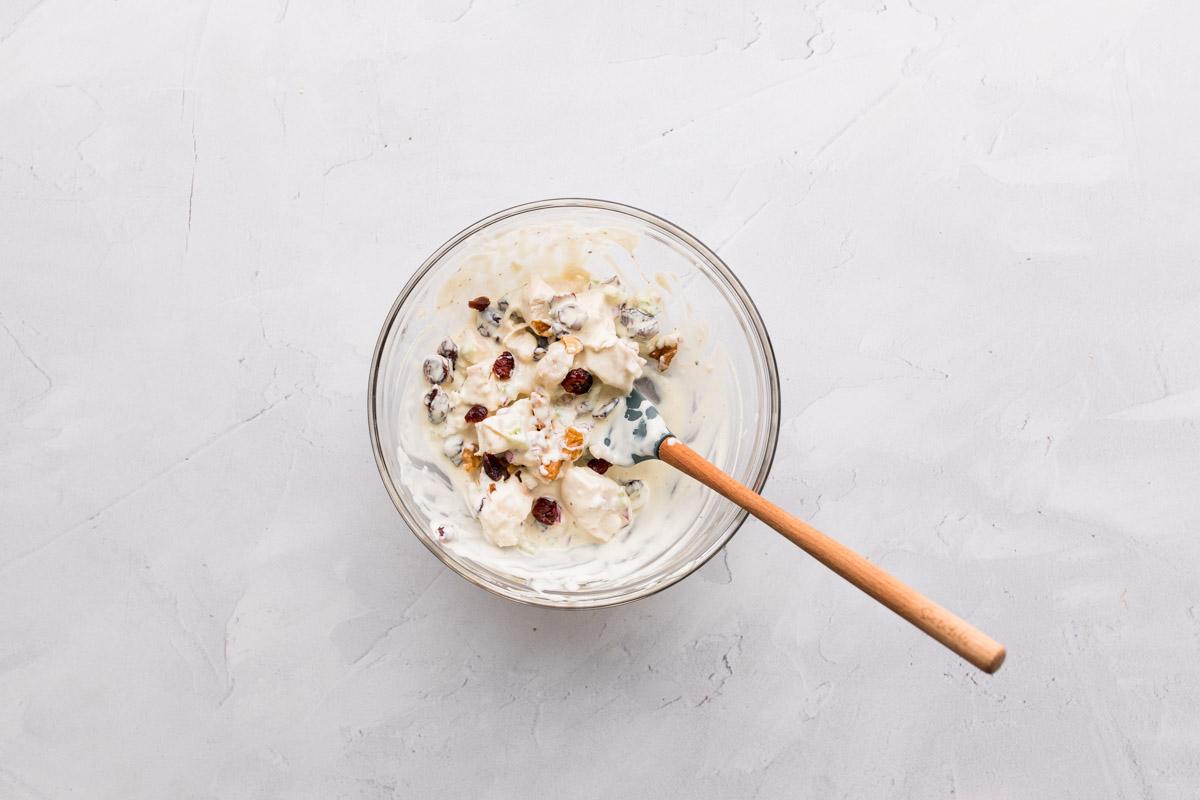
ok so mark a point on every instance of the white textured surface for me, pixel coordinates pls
(970, 227)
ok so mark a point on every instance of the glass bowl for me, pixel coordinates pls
(746, 375)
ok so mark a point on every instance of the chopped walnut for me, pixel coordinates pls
(470, 459)
(665, 354)
(573, 442)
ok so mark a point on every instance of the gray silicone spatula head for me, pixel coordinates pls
(631, 433)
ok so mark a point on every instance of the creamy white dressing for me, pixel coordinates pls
(602, 531)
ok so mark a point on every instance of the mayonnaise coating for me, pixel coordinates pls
(528, 378)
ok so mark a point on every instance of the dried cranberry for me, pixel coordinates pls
(599, 465)
(578, 381)
(475, 414)
(503, 366)
(546, 511)
(479, 303)
(495, 466)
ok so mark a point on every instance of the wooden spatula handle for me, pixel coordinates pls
(951, 630)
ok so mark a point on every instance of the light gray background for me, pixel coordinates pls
(970, 227)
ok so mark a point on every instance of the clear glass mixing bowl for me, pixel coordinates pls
(747, 376)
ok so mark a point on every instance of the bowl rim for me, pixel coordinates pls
(764, 337)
